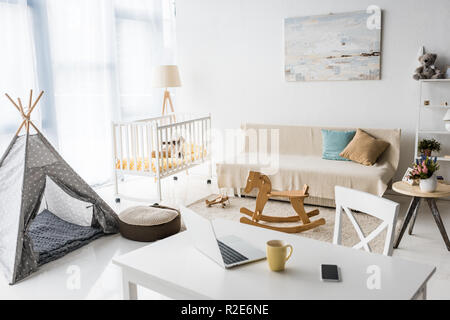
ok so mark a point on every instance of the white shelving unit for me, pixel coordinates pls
(435, 80)
(437, 107)
(419, 131)
(434, 132)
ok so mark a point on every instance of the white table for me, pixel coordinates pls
(175, 269)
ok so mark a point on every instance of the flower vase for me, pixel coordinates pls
(428, 185)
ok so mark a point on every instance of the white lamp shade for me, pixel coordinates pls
(447, 116)
(166, 77)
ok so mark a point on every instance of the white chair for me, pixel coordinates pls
(383, 209)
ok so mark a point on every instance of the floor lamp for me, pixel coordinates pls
(166, 77)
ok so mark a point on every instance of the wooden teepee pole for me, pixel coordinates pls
(30, 101)
(35, 128)
(26, 116)
(35, 103)
(20, 128)
(12, 101)
(22, 112)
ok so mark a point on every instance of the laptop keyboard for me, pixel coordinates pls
(230, 255)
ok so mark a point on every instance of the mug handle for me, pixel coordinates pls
(290, 253)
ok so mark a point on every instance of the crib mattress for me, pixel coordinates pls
(166, 163)
(53, 238)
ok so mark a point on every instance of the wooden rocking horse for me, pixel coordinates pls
(296, 197)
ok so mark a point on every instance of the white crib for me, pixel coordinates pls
(160, 147)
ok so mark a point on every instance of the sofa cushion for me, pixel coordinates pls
(364, 148)
(334, 142)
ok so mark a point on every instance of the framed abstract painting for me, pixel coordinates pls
(344, 46)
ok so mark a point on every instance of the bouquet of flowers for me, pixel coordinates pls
(424, 168)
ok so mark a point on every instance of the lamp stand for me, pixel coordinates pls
(167, 102)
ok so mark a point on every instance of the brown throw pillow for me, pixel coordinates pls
(364, 148)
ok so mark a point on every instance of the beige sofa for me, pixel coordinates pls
(300, 162)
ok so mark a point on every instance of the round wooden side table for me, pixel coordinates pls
(417, 195)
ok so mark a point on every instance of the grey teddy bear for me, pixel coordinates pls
(428, 70)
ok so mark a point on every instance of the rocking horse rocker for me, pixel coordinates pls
(296, 197)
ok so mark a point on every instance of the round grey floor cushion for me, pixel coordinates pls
(147, 224)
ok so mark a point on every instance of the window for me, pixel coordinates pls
(94, 59)
(83, 73)
(144, 39)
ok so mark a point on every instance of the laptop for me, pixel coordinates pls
(228, 251)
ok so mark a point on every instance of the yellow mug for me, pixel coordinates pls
(277, 254)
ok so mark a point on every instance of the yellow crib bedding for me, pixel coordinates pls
(166, 163)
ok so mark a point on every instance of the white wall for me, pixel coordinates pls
(231, 58)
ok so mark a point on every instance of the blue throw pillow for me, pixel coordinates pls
(333, 142)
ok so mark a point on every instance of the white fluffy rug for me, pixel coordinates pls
(282, 209)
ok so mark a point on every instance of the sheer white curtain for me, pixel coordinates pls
(145, 38)
(81, 50)
(103, 53)
(94, 59)
(17, 64)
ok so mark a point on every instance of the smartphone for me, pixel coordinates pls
(330, 272)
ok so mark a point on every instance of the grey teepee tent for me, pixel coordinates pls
(46, 208)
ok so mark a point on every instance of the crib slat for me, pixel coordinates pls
(134, 146)
(208, 141)
(164, 156)
(197, 139)
(172, 147)
(203, 141)
(172, 151)
(136, 139)
(168, 149)
(192, 142)
(180, 146)
(188, 145)
(165, 162)
(142, 145)
(168, 164)
(161, 147)
(127, 145)
(121, 147)
(157, 151)
(130, 145)
(149, 147)
(115, 157)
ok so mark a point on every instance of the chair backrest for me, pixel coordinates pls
(383, 209)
